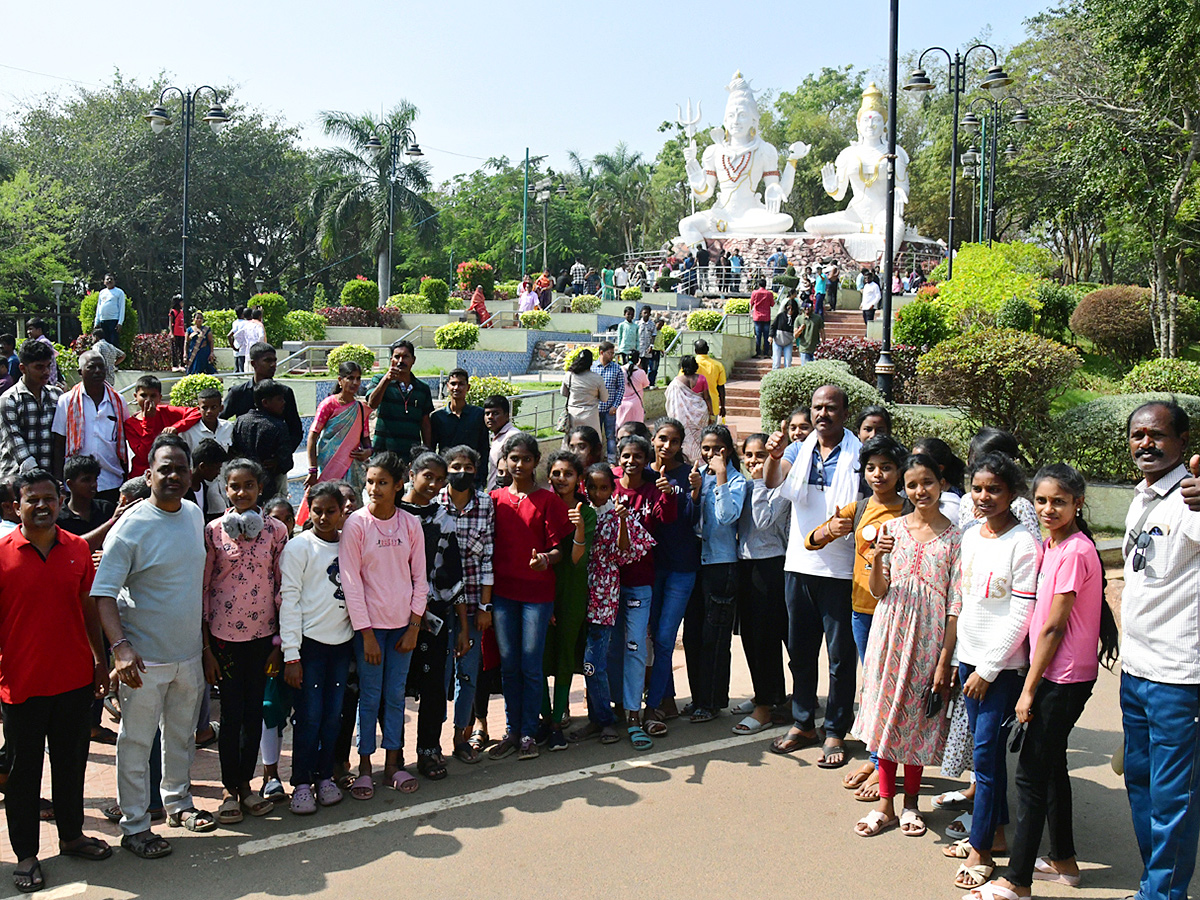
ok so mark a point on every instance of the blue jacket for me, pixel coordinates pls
(720, 509)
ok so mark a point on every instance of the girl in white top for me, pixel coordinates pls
(316, 634)
(1000, 560)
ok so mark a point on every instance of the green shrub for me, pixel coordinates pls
(456, 336)
(788, 281)
(704, 319)
(358, 353)
(736, 306)
(474, 272)
(1057, 305)
(632, 295)
(985, 277)
(67, 362)
(921, 323)
(1171, 376)
(188, 388)
(784, 389)
(456, 303)
(87, 318)
(665, 283)
(320, 301)
(304, 326)
(437, 292)
(668, 335)
(535, 319)
(910, 425)
(483, 387)
(998, 377)
(1016, 314)
(362, 293)
(571, 354)
(587, 303)
(511, 288)
(1092, 436)
(220, 321)
(411, 304)
(275, 310)
(1117, 320)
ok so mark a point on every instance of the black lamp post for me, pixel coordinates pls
(412, 150)
(997, 79)
(989, 126)
(884, 368)
(159, 119)
(541, 193)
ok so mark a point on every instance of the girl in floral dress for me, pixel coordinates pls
(914, 573)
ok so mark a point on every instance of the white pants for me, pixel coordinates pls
(169, 698)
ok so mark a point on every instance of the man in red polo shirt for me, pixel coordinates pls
(52, 666)
(762, 301)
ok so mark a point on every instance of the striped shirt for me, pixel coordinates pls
(1160, 608)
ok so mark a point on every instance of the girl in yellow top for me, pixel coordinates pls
(880, 461)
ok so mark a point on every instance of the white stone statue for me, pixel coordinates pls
(733, 167)
(862, 167)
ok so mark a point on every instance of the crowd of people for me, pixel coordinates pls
(150, 561)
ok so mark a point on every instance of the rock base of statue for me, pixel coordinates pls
(848, 252)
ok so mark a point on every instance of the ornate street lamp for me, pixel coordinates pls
(412, 150)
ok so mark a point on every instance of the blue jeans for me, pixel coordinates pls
(652, 366)
(762, 337)
(462, 675)
(112, 331)
(805, 358)
(318, 710)
(781, 354)
(608, 422)
(595, 673)
(627, 658)
(381, 685)
(987, 718)
(860, 624)
(1162, 775)
(521, 637)
(667, 606)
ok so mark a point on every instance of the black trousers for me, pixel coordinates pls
(763, 622)
(427, 682)
(818, 606)
(1043, 785)
(243, 680)
(60, 722)
(707, 634)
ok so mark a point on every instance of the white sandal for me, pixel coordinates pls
(875, 823)
(909, 816)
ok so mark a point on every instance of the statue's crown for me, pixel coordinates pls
(739, 89)
(872, 101)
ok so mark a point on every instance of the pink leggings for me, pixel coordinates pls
(887, 778)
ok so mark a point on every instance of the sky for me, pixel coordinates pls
(489, 78)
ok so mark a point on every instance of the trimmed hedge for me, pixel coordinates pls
(302, 325)
(413, 304)
(361, 293)
(482, 387)
(922, 323)
(436, 292)
(704, 320)
(1015, 314)
(275, 309)
(535, 319)
(87, 318)
(1117, 320)
(220, 321)
(150, 353)
(456, 336)
(188, 388)
(1165, 375)
(738, 306)
(784, 389)
(67, 361)
(359, 353)
(632, 295)
(586, 303)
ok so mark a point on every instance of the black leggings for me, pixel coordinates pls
(763, 622)
(707, 634)
(243, 679)
(427, 682)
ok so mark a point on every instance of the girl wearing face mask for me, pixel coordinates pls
(241, 629)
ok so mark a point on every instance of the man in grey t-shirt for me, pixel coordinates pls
(156, 553)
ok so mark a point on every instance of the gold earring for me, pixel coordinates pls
(753, 132)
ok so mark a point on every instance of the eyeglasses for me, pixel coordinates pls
(818, 465)
(1140, 543)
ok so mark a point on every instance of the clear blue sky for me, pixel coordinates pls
(489, 78)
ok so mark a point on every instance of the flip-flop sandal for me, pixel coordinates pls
(971, 877)
(831, 749)
(197, 820)
(956, 800)
(750, 725)
(911, 823)
(874, 823)
(854, 780)
(90, 848)
(362, 788)
(229, 812)
(793, 741)
(465, 753)
(404, 782)
(742, 709)
(608, 735)
(1043, 871)
(960, 849)
(29, 881)
(639, 738)
(584, 733)
(45, 810)
(869, 792)
(256, 804)
(146, 845)
(990, 891)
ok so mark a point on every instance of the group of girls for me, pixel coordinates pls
(967, 625)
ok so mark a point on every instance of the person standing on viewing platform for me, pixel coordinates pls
(404, 404)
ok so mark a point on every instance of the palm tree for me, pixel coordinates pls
(351, 197)
(620, 191)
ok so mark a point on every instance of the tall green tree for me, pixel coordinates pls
(34, 217)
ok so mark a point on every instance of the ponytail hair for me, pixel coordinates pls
(1074, 484)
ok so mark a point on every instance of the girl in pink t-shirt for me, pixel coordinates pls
(1070, 619)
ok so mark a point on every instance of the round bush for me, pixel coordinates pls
(456, 336)
(571, 354)
(150, 353)
(456, 303)
(412, 304)
(361, 293)
(188, 388)
(665, 283)
(784, 389)
(304, 326)
(1171, 376)
(1057, 305)
(921, 324)
(437, 292)
(358, 353)
(483, 387)
(587, 303)
(737, 306)
(220, 321)
(1092, 436)
(87, 318)
(704, 320)
(67, 362)
(1016, 314)
(275, 309)
(998, 377)
(476, 272)
(631, 295)
(535, 319)
(668, 336)
(1117, 320)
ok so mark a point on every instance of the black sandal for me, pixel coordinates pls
(147, 845)
(90, 848)
(432, 766)
(29, 880)
(831, 748)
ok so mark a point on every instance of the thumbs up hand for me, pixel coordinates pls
(538, 562)
(885, 543)
(576, 515)
(1189, 488)
(621, 510)
(695, 479)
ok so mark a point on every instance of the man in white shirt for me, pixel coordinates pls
(1160, 654)
(211, 425)
(818, 582)
(239, 339)
(90, 420)
(495, 417)
(110, 311)
(620, 279)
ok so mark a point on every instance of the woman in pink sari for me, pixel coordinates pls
(479, 307)
(340, 436)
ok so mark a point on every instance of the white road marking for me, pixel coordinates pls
(500, 792)
(72, 889)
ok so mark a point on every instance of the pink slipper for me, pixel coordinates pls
(403, 782)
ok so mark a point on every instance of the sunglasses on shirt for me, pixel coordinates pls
(1140, 543)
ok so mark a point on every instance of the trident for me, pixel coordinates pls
(689, 123)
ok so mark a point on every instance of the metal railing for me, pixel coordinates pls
(533, 417)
